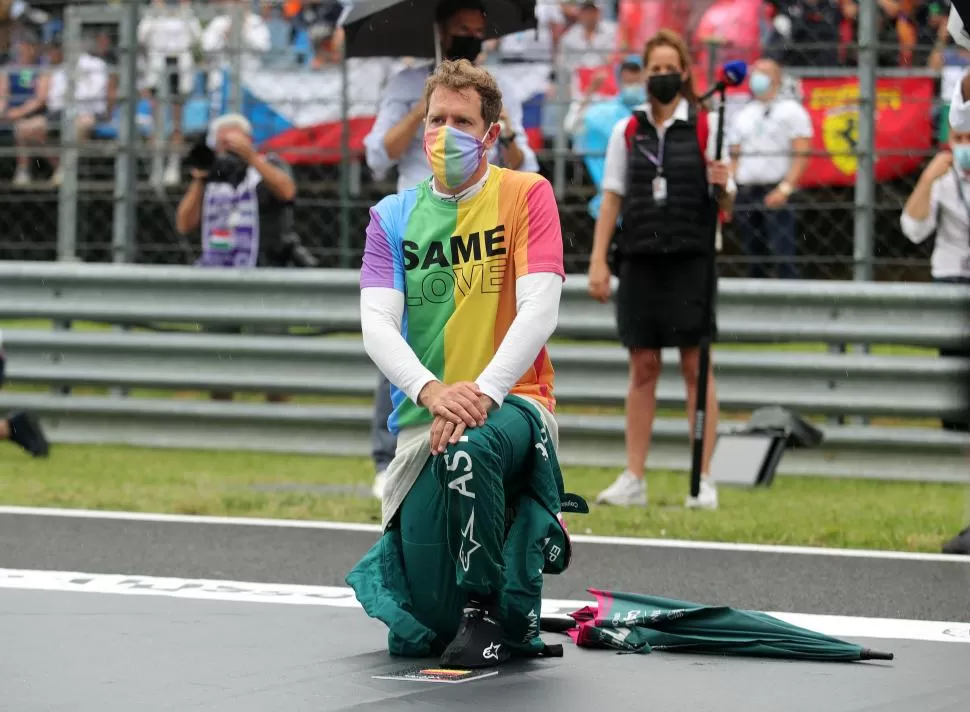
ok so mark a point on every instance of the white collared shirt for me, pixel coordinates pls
(949, 216)
(764, 132)
(580, 50)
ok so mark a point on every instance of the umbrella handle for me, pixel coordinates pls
(875, 655)
(556, 624)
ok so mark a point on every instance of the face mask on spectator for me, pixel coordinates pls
(454, 155)
(633, 95)
(465, 47)
(961, 155)
(760, 83)
(664, 87)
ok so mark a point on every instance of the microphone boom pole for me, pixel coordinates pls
(710, 279)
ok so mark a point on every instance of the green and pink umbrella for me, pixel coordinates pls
(635, 623)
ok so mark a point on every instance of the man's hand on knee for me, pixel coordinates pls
(444, 432)
(459, 402)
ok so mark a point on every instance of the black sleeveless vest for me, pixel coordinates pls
(682, 224)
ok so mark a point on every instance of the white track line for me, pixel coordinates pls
(577, 538)
(340, 597)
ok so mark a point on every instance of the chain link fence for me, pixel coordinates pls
(95, 171)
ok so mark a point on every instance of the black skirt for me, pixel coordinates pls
(660, 302)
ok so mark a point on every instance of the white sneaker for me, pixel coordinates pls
(628, 489)
(378, 487)
(706, 498)
(21, 177)
(173, 172)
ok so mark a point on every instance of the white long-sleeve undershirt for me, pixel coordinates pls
(537, 312)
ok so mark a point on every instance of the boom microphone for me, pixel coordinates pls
(732, 74)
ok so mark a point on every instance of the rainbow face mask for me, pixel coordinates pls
(454, 155)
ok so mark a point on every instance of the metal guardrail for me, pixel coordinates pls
(834, 312)
(808, 383)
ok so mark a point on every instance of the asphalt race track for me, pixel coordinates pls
(105, 612)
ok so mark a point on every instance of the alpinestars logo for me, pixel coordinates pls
(491, 652)
(533, 629)
(468, 544)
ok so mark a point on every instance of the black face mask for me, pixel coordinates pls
(464, 47)
(664, 87)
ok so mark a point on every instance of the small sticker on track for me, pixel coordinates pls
(445, 675)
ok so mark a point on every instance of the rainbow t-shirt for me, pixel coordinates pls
(457, 264)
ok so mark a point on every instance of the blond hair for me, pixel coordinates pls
(669, 38)
(461, 75)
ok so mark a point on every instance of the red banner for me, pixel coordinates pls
(904, 130)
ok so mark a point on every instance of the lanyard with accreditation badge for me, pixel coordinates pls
(659, 183)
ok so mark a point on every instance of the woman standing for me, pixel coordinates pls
(657, 181)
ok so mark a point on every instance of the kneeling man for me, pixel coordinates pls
(460, 288)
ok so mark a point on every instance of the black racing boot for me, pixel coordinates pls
(26, 432)
(479, 642)
(960, 544)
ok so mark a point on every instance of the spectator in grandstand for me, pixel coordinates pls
(769, 140)
(327, 41)
(593, 124)
(241, 201)
(24, 86)
(890, 19)
(948, 57)
(90, 96)
(658, 177)
(540, 44)
(6, 29)
(218, 50)
(22, 428)
(396, 140)
(169, 33)
(16, 14)
(940, 206)
(104, 49)
(591, 42)
(806, 33)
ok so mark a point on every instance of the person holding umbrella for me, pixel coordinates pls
(396, 137)
(657, 179)
(396, 140)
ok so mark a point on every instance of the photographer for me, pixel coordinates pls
(242, 202)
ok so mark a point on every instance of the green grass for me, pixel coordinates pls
(796, 511)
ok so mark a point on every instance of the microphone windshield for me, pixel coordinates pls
(734, 72)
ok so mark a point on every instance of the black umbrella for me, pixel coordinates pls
(406, 28)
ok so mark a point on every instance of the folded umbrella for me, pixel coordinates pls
(406, 28)
(638, 623)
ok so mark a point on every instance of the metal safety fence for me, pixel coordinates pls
(107, 173)
(117, 385)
